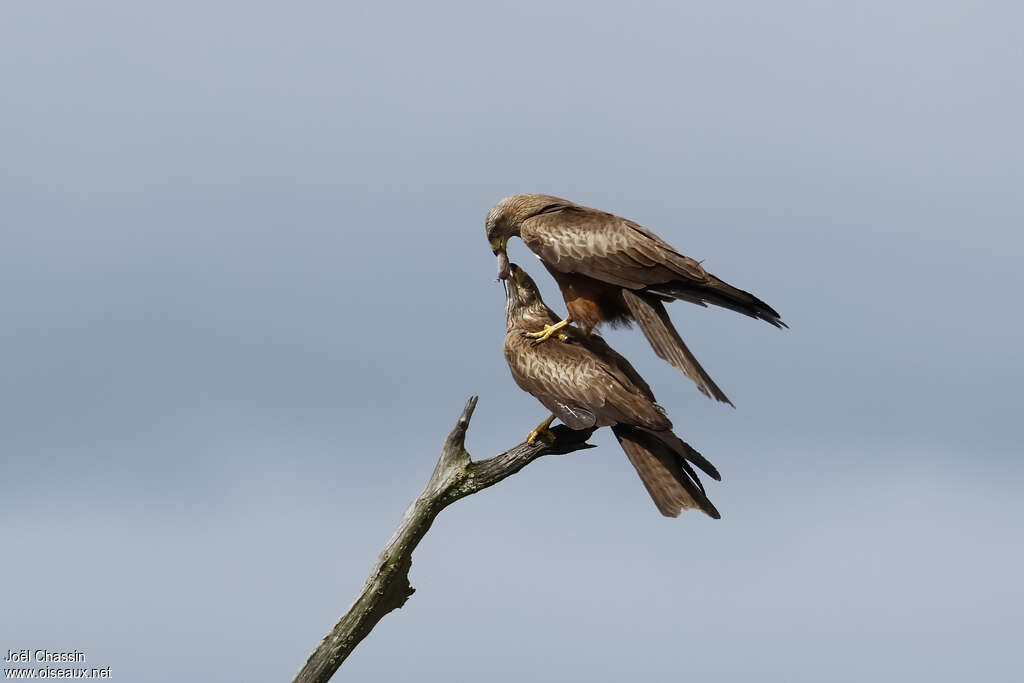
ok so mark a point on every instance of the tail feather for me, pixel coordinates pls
(665, 472)
(651, 316)
(684, 449)
(721, 294)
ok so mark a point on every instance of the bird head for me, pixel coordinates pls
(505, 220)
(521, 293)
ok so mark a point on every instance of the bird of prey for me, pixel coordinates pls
(611, 269)
(584, 383)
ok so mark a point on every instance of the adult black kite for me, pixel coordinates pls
(611, 269)
(584, 383)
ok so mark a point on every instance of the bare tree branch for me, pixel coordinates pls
(455, 476)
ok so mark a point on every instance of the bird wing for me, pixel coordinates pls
(578, 239)
(580, 387)
(649, 312)
(597, 346)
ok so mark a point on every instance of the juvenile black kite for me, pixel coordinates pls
(584, 383)
(611, 269)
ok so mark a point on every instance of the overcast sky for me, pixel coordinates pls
(245, 291)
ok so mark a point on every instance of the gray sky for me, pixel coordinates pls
(245, 292)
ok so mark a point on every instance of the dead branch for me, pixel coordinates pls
(455, 476)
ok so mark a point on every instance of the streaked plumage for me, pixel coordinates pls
(585, 383)
(611, 269)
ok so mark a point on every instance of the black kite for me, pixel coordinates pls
(611, 269)
(584, 383)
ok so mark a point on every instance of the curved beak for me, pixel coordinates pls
(498, 246)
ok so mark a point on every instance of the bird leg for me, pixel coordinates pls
(549, 330)
(542, 430)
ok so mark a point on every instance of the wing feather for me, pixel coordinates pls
(577, 239)
(606, 247)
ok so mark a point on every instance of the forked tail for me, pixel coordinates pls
(663, 462)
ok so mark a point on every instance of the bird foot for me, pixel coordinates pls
(548, 332)
(546, 433)
(542, 430)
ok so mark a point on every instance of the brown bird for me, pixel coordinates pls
(611, 269)
(584, 383)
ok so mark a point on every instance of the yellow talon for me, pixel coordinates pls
(548, 435)
(542, 430)
(548, 331)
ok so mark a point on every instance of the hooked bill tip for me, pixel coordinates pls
(503, 266)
